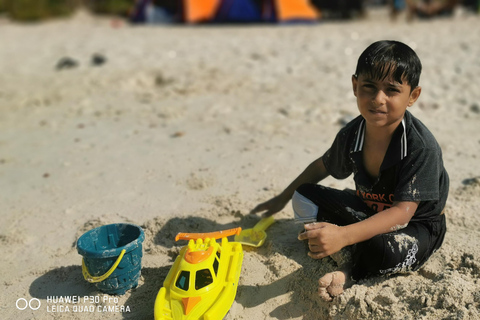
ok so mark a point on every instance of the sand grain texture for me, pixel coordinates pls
(188, 128)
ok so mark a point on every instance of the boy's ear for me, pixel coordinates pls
(354, 84)
(414, 96)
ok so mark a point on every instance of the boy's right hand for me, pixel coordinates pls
(271, 206)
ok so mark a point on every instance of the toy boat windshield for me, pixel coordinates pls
(203, 281)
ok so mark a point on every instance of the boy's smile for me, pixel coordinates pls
(383, 102)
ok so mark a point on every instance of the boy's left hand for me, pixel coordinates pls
(323, 238)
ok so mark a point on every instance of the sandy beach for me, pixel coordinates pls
(187, 129)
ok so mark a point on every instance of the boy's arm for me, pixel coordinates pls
(326, 239)
(314, 173)
(386, 221)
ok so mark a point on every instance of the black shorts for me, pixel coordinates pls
(403, 250)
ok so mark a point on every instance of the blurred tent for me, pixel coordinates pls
(232, 11)
(295, 10)
(229, 11)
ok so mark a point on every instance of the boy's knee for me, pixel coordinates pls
(303, 208)
(306, 189)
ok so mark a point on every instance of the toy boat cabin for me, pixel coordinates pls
(203, 280)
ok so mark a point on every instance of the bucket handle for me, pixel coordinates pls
(93, 279)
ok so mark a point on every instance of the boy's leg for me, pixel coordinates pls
(312, 202)
(400, 251)
(403, 250)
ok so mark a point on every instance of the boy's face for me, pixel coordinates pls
(383, 102)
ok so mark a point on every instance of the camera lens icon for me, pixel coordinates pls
(33, 304)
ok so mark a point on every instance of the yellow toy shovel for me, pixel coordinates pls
(255, 237)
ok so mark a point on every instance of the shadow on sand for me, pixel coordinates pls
(162, 233)
(68, 282)
(282, 241)
(300, 284)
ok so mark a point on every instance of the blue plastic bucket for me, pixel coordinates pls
(112, 256)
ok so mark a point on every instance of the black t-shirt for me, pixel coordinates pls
(412, 169)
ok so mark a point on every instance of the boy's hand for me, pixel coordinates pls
(323, 238)
(271, 206)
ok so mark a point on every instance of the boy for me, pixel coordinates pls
(394, 221)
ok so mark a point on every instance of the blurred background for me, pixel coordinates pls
(231, 11)
(121, 110)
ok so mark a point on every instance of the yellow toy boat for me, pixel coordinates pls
(203, 281)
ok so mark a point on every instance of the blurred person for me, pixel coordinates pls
(395, 220)
(137, 13)
(430, 8)
(162, 11)
(155, 11)
(473, 5)
(342, 9)
(397, 6)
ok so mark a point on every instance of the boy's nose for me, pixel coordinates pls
(379, 98)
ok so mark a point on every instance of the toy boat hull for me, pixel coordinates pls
(180, 299)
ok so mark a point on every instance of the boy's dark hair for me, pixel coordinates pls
(390, 58)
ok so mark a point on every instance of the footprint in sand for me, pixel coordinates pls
(199, 182)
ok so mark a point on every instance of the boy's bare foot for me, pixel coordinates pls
(331, 285)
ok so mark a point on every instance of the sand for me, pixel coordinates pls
(187, 129)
